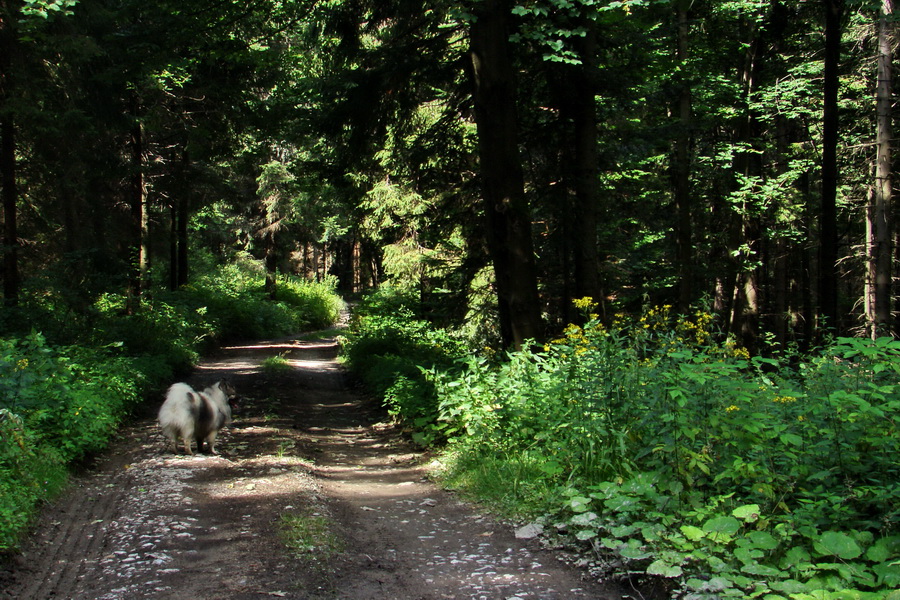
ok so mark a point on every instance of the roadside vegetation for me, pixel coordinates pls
(664, 450)
(68, 380)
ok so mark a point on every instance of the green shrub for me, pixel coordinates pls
(734, 476)
(389, 348)
(29, 473)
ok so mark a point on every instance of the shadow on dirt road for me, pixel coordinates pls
(145, 523)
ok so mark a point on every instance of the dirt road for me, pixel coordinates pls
(144, 523)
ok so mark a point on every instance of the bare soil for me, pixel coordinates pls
(145, 523)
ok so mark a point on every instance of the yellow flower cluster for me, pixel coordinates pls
(698, 328)
(586, 303)
(735, 351)
(784, 399)
(656, 317)
(22, 364)
(732, 408)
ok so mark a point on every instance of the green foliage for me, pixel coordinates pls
(735, 476)
(29, 473)
(233, 297)
(388, 348)
(56, 406)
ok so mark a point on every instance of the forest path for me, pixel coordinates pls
(144, 523)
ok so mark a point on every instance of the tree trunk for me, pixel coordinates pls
(586, 179)
(508, 217)
(8, 189)
(745, 310)
(271, 262)
(139, 217)
(828, 237)
(681, 170)
(183, 215)
(878, 215)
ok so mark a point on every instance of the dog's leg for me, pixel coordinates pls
(187, 445)
(211, 440)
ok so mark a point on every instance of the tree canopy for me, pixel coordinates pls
(499, 158)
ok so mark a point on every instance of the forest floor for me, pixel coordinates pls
(142, 522)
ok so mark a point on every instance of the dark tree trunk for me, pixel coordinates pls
(139, 218)
(8, 187)
(173, 246)
(828, 236)
(586, 179)
(508, 217)
(183, 215)
(681, 166)
(271, 261)
(10, 196)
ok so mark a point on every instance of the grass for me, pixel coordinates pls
(276, 364)
(309, 535)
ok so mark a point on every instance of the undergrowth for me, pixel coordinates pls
(387, 346)
(670, 454)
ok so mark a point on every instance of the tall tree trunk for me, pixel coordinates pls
(681, 169)
(271, 262)
(139, 216)
(8, 189)
(173, 246)
(183, 216)
(586, 179)
(745, 310)
(509, 220)
(828, 236)
(878, 215)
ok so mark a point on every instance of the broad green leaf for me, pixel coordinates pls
(692, 533)
(586, 534)
(664, 569)
(888, 574)
(835, 543)
(762, 540)
(794, 557)
(623, 531)
(748, 513)
(585, 519)
(726, 525)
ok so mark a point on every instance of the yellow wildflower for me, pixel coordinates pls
(586, 303)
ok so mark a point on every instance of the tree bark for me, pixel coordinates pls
(878, 213)
(8, 188)
(586, 177)
(828, 294)
(505, 205)
(183, 217)
(681, 170)
(139, 216)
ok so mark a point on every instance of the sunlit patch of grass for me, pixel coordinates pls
(276, 364)
(308, 534)
(513, 484)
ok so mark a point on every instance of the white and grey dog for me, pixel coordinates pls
(192, 415)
